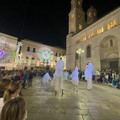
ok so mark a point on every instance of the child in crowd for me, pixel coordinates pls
(14, 109)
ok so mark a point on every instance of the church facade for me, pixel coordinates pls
(93, 40)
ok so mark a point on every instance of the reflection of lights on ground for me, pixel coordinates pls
(2, 53)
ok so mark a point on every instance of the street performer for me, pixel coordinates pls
(58, 76)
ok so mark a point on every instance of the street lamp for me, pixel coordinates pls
(79, 52)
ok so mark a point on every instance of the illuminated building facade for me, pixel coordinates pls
(29, 54)
(7, 51)
(100, 39)
(35, 54)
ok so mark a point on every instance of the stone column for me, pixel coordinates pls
(96, 58)
(119, 55)
(69, 52)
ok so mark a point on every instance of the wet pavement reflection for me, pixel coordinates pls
(101, 103)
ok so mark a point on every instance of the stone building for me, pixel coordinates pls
(28, 53)
(35, 54)
(7, 51)
(92, 39)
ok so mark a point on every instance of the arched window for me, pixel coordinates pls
(88, 54)
(76, 56)
(111, 42)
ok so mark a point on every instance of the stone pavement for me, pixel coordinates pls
(101, 103)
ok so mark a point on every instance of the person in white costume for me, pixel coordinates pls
(89, 74)
(58, 76)
(46, 78)
(75, 78)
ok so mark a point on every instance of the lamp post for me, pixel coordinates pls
(79, 52)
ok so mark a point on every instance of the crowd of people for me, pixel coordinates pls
(12, 83)
(107, 77)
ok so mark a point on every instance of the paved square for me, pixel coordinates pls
(101, 103)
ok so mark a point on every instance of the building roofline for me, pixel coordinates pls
(99, 21)
(36, 42)
(9, 36)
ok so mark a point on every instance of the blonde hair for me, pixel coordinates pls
(14, 109)
(12, 88)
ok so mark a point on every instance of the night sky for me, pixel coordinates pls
(45, 21)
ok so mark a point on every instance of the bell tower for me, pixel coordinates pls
(76, 17)
(91, 15)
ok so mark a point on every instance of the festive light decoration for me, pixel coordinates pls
(30, 53)
(2, 53)
(6, 51)
(6, 54)
(46, 55)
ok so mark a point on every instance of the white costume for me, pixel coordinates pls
(46, 78)
(88, 75)
(58, 75)
(65, 76)
(75, 78)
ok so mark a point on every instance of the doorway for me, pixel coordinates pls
(114, 65)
